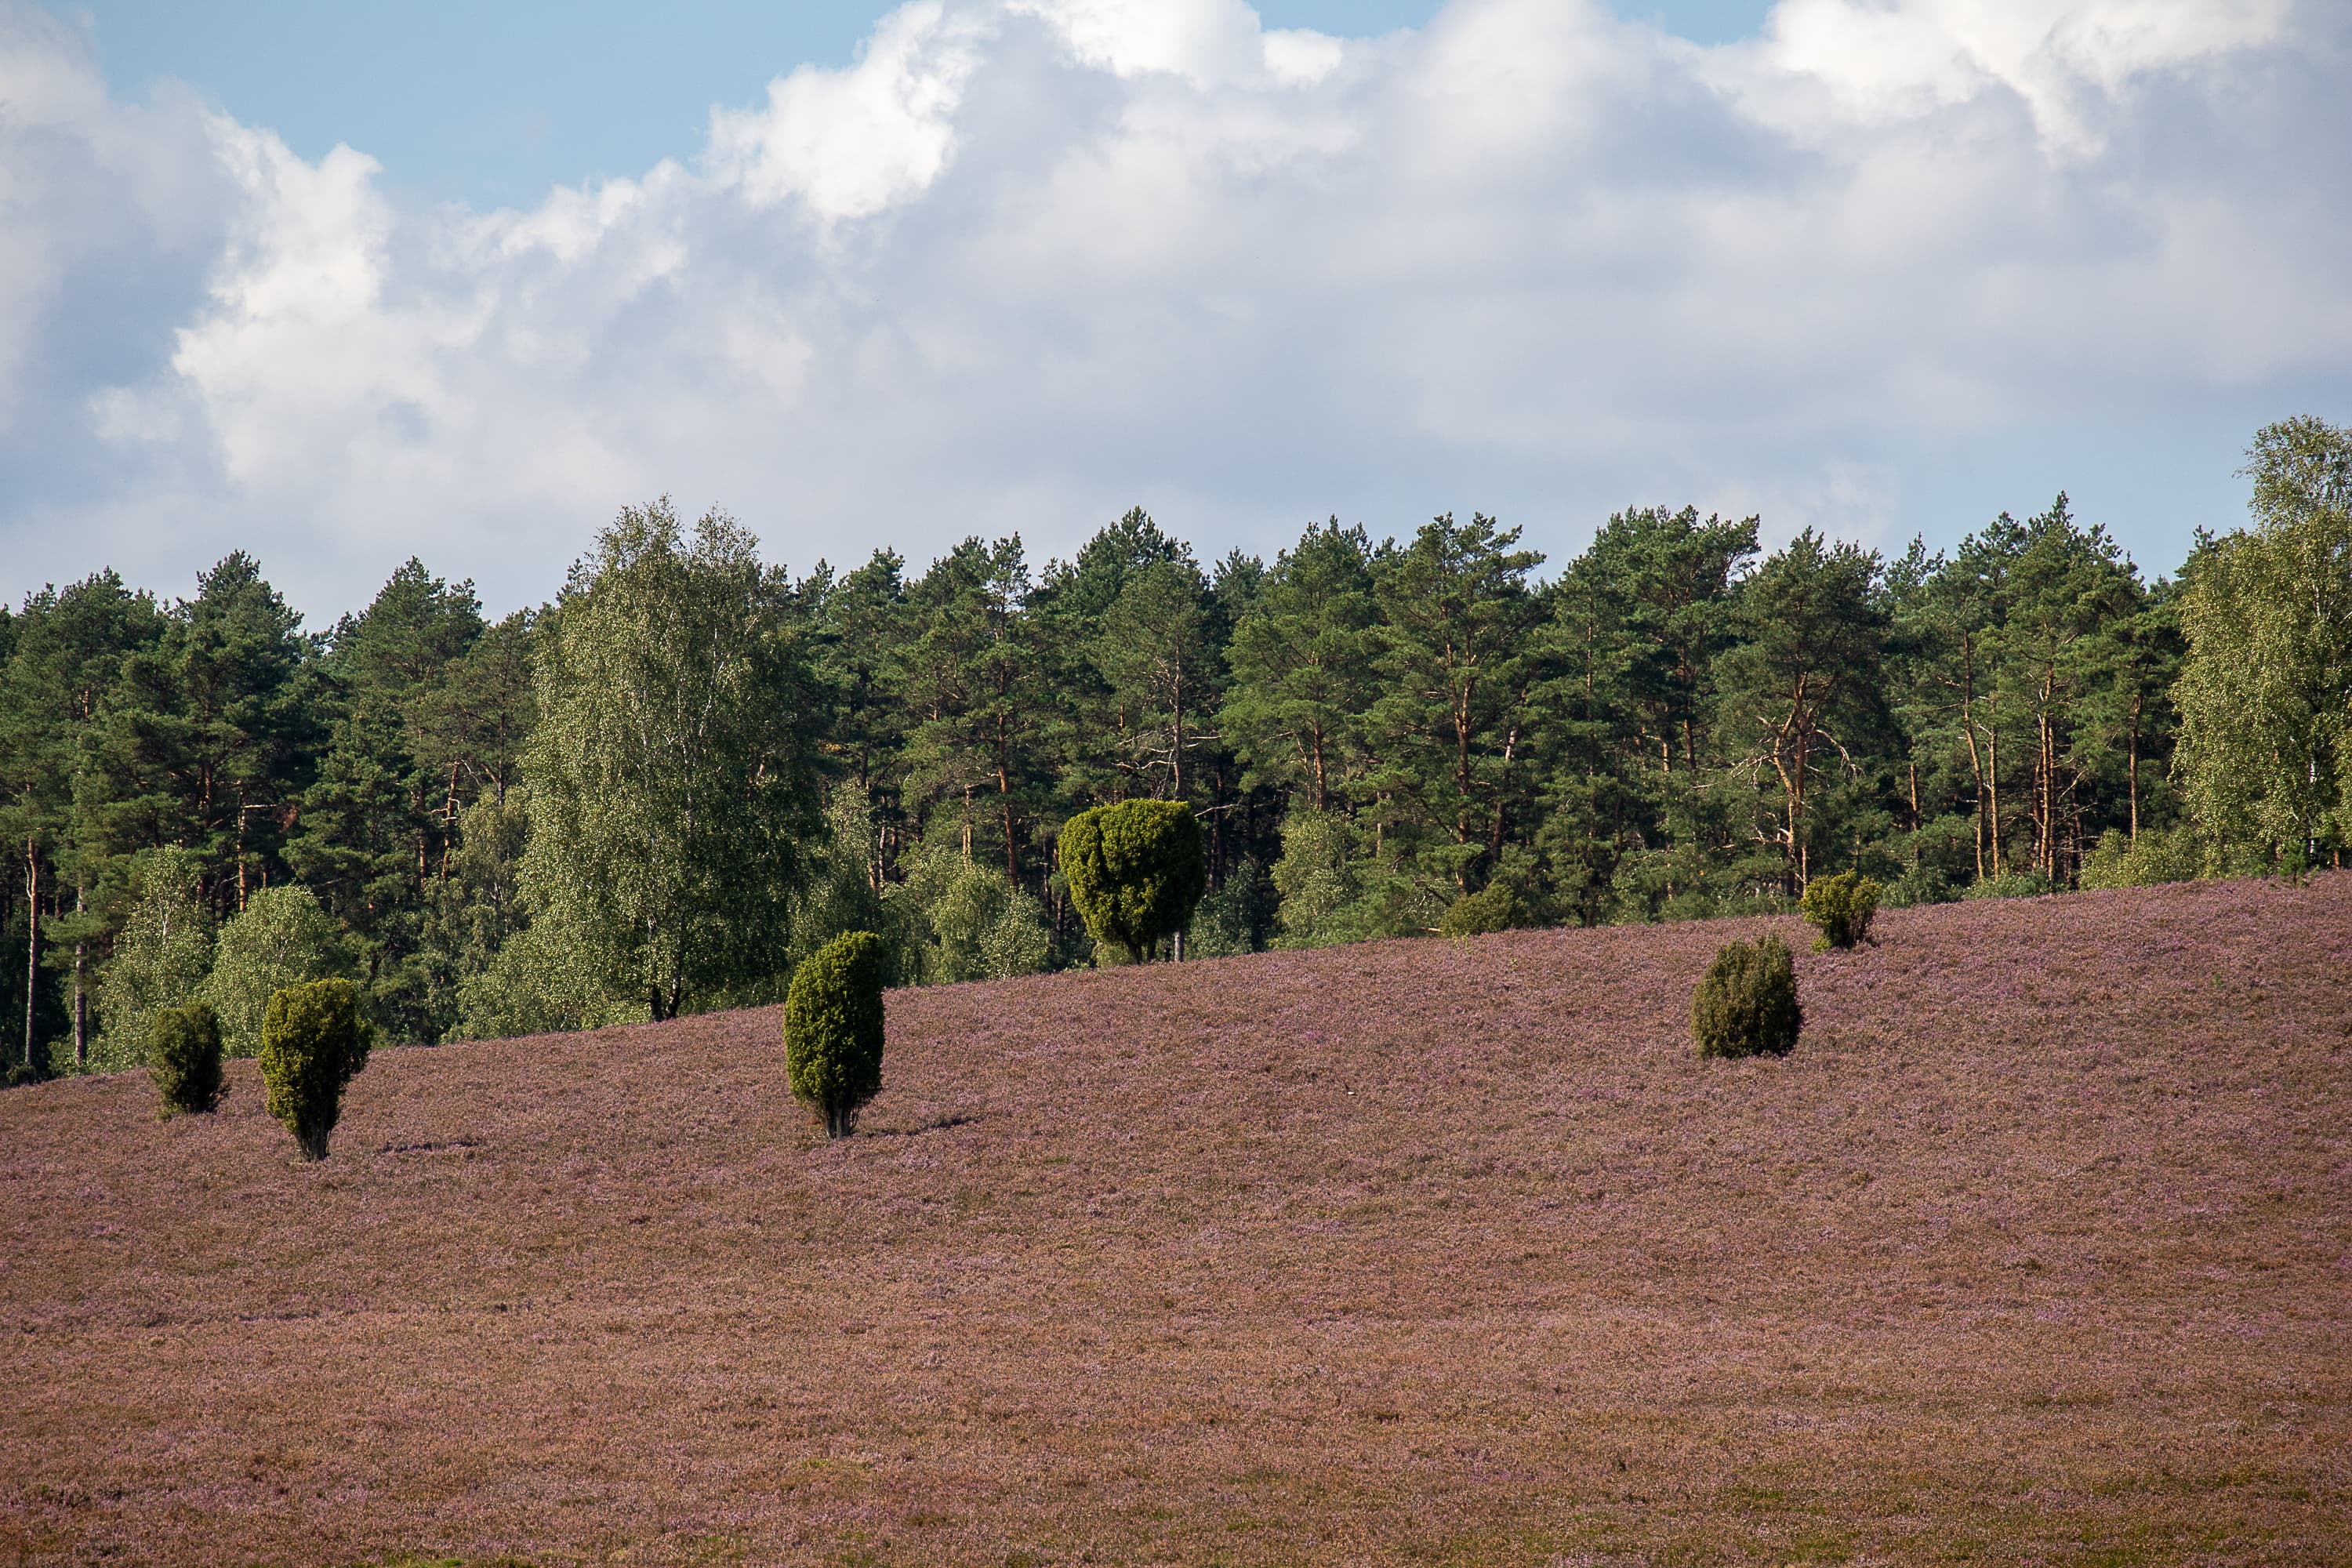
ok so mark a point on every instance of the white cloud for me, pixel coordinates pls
(1826, 66)
(1025, 262)
(850, 144)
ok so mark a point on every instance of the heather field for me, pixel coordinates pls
(2038, 1250)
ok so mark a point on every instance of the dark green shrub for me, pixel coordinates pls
(1135, 871)
(1491, 908)
(1839, 908)
(2013, 885)
(183, 1058)
(1746, 1004)
(312, 1044)
(832, 1028)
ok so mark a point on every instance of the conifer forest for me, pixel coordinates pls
(658, 793)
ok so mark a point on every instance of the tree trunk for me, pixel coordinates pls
(1004, 798)
(449, 821)
(81, 1000)
(1976, 768)
(32, 943)
(1992, 792)
(1796, 811)
(1217, 827)
(1176, 735)
(2133, 767)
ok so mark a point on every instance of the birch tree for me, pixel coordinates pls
(2265, 693)
(672, 792)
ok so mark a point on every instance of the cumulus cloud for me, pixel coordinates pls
(1024, 262)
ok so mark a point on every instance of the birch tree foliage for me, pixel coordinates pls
(672, 790)
(2265, 692)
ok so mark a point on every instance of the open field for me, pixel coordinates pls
(2040, 1249)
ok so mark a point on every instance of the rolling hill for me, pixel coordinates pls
(2038, 1249)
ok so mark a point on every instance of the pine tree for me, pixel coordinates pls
(1464, 653)
(1302, 667)
(1803, 690)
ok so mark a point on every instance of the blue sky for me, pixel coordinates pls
(342, 283)
(492, 104)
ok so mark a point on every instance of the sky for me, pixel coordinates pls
(341, 284)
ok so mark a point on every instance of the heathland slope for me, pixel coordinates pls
(2036, 1251)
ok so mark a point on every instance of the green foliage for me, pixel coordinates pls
(954, 919)
(1492, 908)
(1803, 687)
(313, 1042)
(1157, 649)
(974, 680)
(671, 785)
(161, 957)
(1746, 1004)
(1302, 663)
(183, 1058)
(281, 938)
(843, 894)
(1017, 941)
(2117, 862)
(608, 808)
(1465, 653)
(1231, 921)
(2266, 731)
(2013, 885)
(541, 981)
(1839, 908)
(1136, 870)
(1318, 878)
(473, 910)
(833, 1028)
(1331, 892)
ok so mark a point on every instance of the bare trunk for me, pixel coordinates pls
(1992, 791)
(1495, 837)
(2132, 767)
(1217, 828)
(449, 821)
(80, 1000)
(1004, 798)
(1969, 732)
(1176, 735)
(32, 941)
(1796, 814)
(1915, 813)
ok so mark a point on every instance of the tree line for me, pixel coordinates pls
(664, 789)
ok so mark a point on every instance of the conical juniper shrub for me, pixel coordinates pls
(312, 1044)
(1745, 1005)
(1840, 906)
(1135, 870)
(183, 1058)
(832, 1028)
